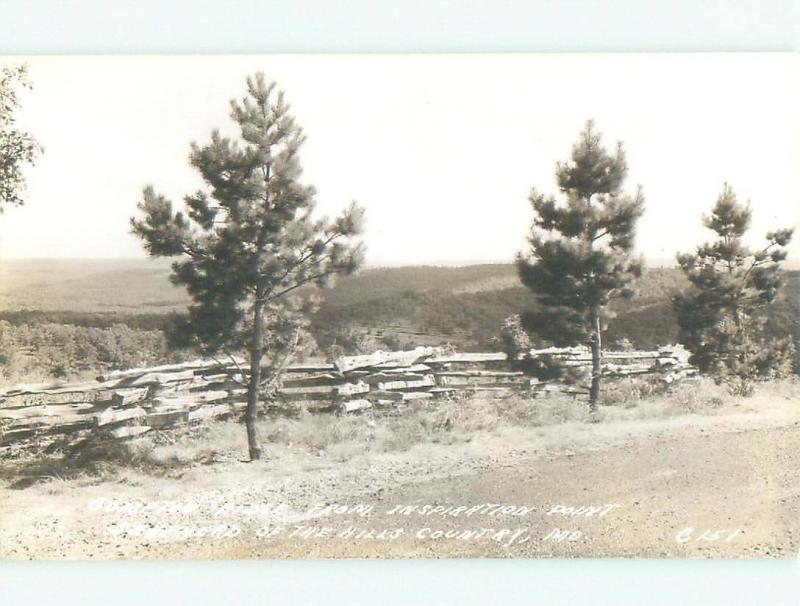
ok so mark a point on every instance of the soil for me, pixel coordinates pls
(723, 484)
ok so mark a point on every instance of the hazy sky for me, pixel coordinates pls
(441, 150)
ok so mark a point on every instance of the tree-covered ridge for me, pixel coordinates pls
(472, 320)
(384, 304)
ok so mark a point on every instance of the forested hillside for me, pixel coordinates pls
(69, 317)
(457, 308)
(452, 311)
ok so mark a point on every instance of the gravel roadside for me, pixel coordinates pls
(721, 485)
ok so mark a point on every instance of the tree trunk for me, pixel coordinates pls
(252, 386)
(741, 362)
(597, 345)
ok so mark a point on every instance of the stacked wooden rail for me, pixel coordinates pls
(129, 403)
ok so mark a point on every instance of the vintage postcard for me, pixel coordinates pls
(399, 306)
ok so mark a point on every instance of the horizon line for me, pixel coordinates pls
(650, 263)
(399, 263)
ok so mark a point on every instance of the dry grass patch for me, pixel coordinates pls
(170, 454)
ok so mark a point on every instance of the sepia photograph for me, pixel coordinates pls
(399, 306)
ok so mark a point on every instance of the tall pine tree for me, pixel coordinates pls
(580, 256)
(249, 248)
(722, 315)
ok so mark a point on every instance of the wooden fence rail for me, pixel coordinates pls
(129, 403)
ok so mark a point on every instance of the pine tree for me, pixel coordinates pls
(580, 256)
(250, 250)
(17, 147)
(722, 315)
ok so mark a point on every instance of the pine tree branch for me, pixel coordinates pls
(301, 283)
(192, 251)
(276, 371)
(238, 368)
(300, 261)
(227, 372)
(756, 263)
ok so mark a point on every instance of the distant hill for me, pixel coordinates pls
(466, 306)
(377, 283)
(142, 285)
(394, 306)
(89, 285)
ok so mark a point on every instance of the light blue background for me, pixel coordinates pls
(406, 583)
(250, 26)
(259, 26)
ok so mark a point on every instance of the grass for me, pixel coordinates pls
(340, 438)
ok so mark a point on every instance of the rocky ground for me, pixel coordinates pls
(721, 484)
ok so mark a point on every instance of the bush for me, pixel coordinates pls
(514, 340)
(42, 351)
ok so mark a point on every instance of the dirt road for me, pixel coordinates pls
(718, 485)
